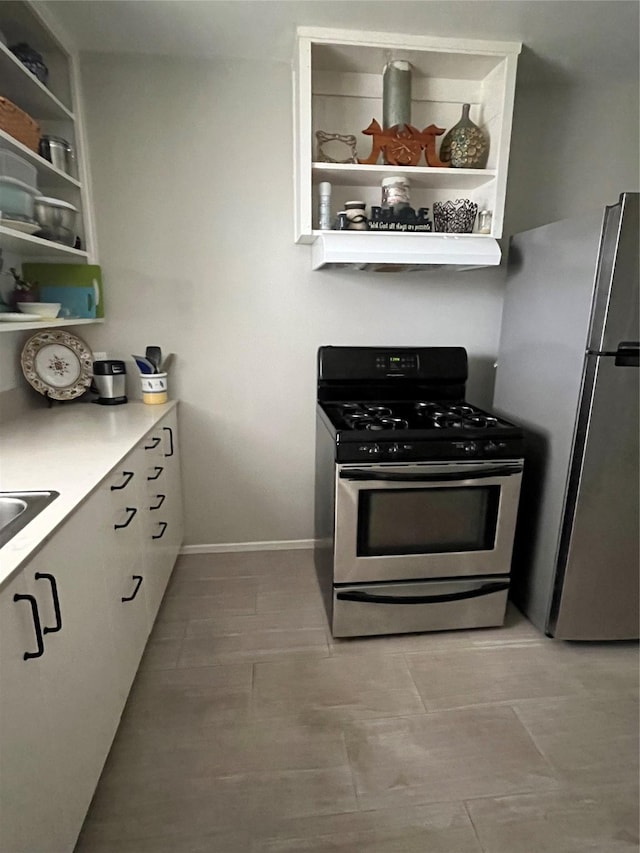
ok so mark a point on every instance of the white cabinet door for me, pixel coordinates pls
(126, 576)
(60, 707)
(30, 816)
(79, 675)
(174, 510)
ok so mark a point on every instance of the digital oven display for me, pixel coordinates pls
(407, 363)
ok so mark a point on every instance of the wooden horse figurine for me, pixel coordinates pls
(380, 139)
(427, 139)
(403, 148)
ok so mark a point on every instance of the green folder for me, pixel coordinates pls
(62, 280)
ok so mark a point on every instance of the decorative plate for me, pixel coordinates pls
(57, 364)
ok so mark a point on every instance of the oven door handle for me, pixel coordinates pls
(371, 598)
(359, 475)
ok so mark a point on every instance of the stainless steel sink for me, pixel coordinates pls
(17, 509)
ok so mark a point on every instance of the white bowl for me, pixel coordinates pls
(42, 309)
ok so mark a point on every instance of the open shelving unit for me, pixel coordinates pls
(56, 108)
(338, 89)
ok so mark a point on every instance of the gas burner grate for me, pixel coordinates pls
(448, 421)
(393, 423)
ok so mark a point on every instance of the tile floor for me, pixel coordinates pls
(250, 730)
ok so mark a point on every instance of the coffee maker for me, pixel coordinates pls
(109, 382)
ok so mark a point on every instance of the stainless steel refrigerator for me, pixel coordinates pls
(567, 370)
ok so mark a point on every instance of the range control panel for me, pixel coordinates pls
(418, 451)
(406, 364)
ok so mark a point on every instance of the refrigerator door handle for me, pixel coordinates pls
(628, 354)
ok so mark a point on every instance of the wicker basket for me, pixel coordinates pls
(18, 124)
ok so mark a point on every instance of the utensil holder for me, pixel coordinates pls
(154, 388)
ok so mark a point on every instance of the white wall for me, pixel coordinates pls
(193, 184)
(192, 178)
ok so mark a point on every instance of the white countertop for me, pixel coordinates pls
(69, 449)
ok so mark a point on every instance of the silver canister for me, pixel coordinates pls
(109, 380)
(58, 152)
(396, 94)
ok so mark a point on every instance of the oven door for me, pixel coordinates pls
(428, 520)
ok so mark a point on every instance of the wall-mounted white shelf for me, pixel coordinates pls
(48, 175)
(57, 109)
(36, 247)
(44, 324)
(425, 177)
(338, 89)
(26, 91)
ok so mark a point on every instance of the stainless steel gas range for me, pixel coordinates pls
(416, 493)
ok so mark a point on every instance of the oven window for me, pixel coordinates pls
(427, 521)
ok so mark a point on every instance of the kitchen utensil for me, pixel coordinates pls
(57, 219)
(17, 198)
(154, 389)
(154, 354)
(109, 381)
(32, 60)
(58, 152)
(63, 279)
(166, 364)
(22, 225)
(144, 365)
(76, 302)
(16, 167)
(15, 317)
(40, 309)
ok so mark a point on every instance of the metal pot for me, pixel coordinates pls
(57, 219)
(58, 152)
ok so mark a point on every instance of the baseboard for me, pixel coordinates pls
(228, 547)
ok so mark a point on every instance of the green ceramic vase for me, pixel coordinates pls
(465, 146)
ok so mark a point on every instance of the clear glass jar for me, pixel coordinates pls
(484, 222)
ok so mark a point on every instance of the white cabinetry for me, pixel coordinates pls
(162, 503)
(73, 626)
(59, 704)
(123, 533)
(338, 89)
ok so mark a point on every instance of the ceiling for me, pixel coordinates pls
(565, 40)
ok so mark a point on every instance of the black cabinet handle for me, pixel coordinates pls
(156, 441)
(161, 499)
(128, 475)
(170, 431)
(56, 601)
(158, 469)
(36, 625)
(132, 511)
(161, 534)
(138, 579)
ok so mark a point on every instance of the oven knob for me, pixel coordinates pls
(394, 449)
(373, 450)
(490, 447)
(470, 448)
